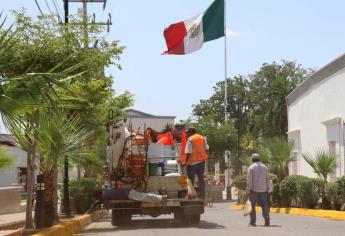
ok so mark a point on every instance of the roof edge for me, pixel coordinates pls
(327, 70)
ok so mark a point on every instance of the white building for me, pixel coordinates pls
(316, 116)
(138, 119)
(15, 174)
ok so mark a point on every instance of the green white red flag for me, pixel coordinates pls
(188, 36)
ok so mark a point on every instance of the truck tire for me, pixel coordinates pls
(194, 219)
(180, 218)
(115, 217)
(125, 218)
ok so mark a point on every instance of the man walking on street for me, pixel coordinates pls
(196, 156)
(257, 189)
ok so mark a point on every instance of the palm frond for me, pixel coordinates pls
(322, 162)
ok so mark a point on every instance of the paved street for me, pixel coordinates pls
(220, 220)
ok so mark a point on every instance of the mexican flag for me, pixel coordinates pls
(188, 36)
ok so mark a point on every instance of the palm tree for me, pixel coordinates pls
(60, 135)
(20, 98)
(280, 156)
(323, 163)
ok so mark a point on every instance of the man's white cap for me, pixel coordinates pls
(255, 156)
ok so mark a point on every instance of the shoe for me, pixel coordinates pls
(267, 221)
(252, 224)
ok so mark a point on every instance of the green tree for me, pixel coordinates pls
(323, 163)
(268, 88)
(280, 156)
(6, 160)
(40, 49)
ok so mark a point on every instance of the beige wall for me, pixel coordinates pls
(10, 200)
(155, 123)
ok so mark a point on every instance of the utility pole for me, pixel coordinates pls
(85, 23)
(65, 209)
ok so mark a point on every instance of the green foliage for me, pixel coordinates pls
(275, 195)
(274, 178)
(82, 192)
(331, 190)
(323, 163)
(288, 188)
(280, 156)
(242, 196)
(256, 103)
(240, 182)
(307, 191)
(341, 190)
(6, 160)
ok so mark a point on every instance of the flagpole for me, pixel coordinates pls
(226, 113)
(225, 68)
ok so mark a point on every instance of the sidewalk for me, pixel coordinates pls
(10, 221)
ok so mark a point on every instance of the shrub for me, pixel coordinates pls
(242, 196)
(275, 196)
(288, 188)
(240, 182)
(82, 192)
(307, 191)
(331, 193)
(341, 190)
(274, 178)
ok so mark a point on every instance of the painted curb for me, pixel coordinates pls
(329, 214)
(70, 227)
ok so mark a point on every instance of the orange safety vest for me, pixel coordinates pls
(198, 149)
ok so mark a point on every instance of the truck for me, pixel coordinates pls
(135, 162)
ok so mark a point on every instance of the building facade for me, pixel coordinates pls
(141, 120)
(316, 116)
(15, 174)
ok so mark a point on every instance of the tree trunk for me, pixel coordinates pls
(48, 198)
(55, 189)
(30, 180)
(79, 168)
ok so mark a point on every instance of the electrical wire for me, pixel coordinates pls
(39, 8)
(48, 7)
(57, 8)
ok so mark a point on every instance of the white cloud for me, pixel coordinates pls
(232, 33)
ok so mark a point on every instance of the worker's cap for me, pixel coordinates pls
(255, 156)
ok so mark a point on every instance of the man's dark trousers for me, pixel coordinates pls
(262, 199)
(197, 169)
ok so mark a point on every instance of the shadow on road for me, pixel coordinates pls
(150, 224)
(271, 226)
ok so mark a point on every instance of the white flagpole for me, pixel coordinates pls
(225, 68)
(226, 114)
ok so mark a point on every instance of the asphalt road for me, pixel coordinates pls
(220, 220)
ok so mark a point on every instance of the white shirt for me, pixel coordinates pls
(258, 178)
(189, 148)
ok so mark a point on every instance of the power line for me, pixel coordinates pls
(48, 7)
(57, 8)
(39, 8)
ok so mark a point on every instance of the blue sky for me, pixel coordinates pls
(309, 32)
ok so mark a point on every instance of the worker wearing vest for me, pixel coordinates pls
(196, 156)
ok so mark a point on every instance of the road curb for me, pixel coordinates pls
(329, 214)
(69, 227)
(12, 225)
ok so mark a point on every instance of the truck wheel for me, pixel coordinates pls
(180, 218)
(125, 218)
(115, 218)
(194, 219)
